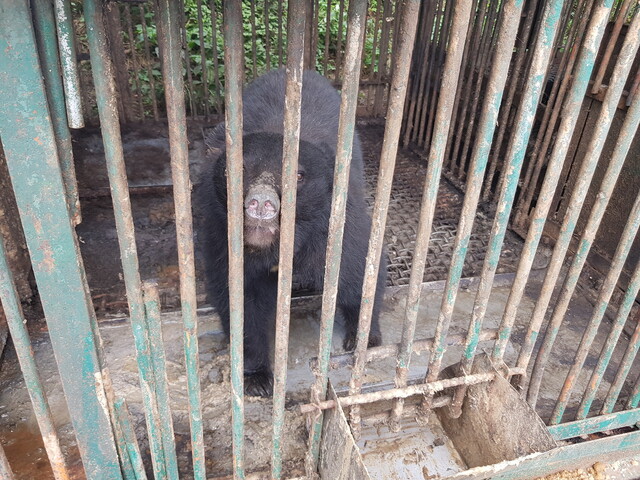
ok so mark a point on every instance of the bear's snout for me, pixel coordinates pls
(262, 203)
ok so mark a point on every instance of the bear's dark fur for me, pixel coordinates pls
(263, 111)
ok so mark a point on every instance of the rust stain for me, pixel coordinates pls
(38, 141)
(48, 263)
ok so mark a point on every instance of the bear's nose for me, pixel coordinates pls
(262, 205)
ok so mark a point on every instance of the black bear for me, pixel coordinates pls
(263, 111)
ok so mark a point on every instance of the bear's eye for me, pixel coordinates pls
(300, 177)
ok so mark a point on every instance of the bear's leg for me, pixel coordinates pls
(259, 313)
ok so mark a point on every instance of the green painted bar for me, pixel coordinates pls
(22, 344)
(588, 166)
(169, 36)
(460, 23)
(103, 79)
(137, 471)
(30, 148)
(349, 98)
(156, 343)
(604, 295)
(612, 340)
(571, 108)
(66, 42)
(5, 469)
(233, 60)
(290, 151)
(511, 12)
(45, 30)
(601, 423)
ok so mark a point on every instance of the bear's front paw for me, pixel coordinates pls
(258, 384)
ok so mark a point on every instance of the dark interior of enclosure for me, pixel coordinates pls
(135, 52)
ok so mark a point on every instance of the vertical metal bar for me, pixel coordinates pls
(156, 344)
(233, 55)
(511, 11)
(623, 369)
(203, 60)
(5, 469)
(383, 192)
(609, 284)
(178, 144)
(461, 17)
(612, 340)
(550, 118)
(267, 36)
(21, 342)
(353, 56)
(583, 179)
(134, 60)
(129, 436)
(193, 111)
(45, 30)
(214, 47)
(29, 145)
(604, 61)
(571, 109)
(290, 150)
(514, 82)
(70, 79)
(147, 56)
(327, 38)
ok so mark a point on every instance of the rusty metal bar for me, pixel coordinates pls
(570, 109)
(203, 60)
(461, 17)
(399, 393)
(214, 47)
(346, 128)
(70, 79)
(5, 469)
(18, 328)
(382, 69)
(28, 142)
(156, 348)
(511, 11)
(608, 286)
(505, 114)
(580, 189)
(610, 345)
(382, 196)
(132, 451)
(550, 118)
(45, 31)
(134, 59)
(623, 369)
(233, 60)
(179, 148)
(187, 59)
(290, 151)
(604, 61)
(147, 56)
(635, 87)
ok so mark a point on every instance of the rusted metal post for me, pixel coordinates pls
(233, 59)
(179, 148)
(45, 30)
(623, 369)
(28, 141)
(459, 28)
(583, 180)
(22, 344)
(346, 129)
(571, 109)
(609, 284)
(604, 61)
(607, 350)
(131, 442)
(290, 150)
(147, 56)
(66, 44)
(382, 196)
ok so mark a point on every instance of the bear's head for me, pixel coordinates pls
(262, 188)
